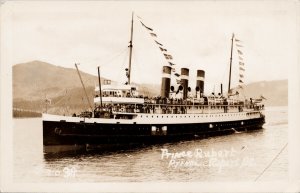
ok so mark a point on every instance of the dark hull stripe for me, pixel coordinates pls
(65, 133)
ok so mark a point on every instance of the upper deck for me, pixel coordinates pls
(123, 101)
(118, 94)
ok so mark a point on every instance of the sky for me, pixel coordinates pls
(196, 33)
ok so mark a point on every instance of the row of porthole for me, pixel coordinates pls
(190, 116)
(140, 129)
(227, 124)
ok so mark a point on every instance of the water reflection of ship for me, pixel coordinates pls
(122, 116)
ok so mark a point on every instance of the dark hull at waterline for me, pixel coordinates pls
(77, 135)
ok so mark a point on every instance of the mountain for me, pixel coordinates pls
(276, 92)
(35, 81)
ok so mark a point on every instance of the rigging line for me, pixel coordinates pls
(62, 94)
(91, 61)
(138, 69)
(225, 73)
(113, 57)
(106, 62)
(271, 162)
(123, 65)
(62, 97)
(57, 95)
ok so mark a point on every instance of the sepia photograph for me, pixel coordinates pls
(149, 96)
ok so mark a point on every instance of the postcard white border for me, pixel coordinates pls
(7, 184)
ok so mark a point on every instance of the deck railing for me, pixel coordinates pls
(179, 108)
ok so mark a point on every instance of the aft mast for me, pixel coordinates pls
(130, 51)
(230, 63)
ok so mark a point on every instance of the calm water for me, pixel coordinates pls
(237, 157)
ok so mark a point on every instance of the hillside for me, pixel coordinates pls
(276, 92)
(36, 80)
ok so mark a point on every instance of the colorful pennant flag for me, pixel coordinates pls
(242, 63)
(241, 76)
(242, 69)
(238, 45)
(237, 40)
(172, 64)
(241, 81)
(239, 51)
(176, 74)
(240, 58)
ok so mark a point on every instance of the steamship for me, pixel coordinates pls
(120, 116)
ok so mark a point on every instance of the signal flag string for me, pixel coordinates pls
(161, 47)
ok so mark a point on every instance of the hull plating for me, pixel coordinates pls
(81, 134)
